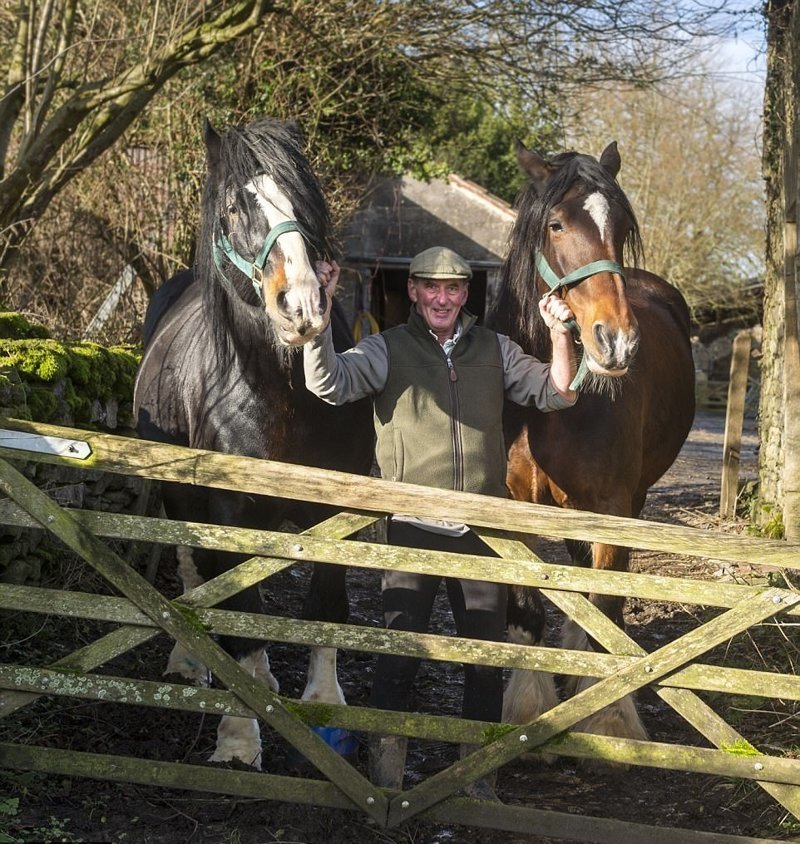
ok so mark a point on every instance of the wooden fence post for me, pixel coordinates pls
(734, 422)
(791, 388)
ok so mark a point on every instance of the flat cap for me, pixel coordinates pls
(439, 262)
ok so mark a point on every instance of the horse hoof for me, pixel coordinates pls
(235, 762)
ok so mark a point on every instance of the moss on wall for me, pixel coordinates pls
(14, 326)
(48, 380)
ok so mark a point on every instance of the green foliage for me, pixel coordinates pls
(772, 527)
(55, 832)
(9, 808)
(476, 139)
(790, 824)
(375, 91)
(765, 519)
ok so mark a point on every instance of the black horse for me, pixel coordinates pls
(221, 371)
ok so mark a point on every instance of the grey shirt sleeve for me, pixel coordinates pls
(338, 378)
(527, 379)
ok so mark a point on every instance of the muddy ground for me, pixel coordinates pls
(51, 808)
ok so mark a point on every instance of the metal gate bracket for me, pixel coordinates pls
(20, 441)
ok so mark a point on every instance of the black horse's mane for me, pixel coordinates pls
(268, 146)
(516, 311)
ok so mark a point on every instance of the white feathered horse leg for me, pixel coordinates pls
(180, 661)
(237, 738)
(529, 693)
(240, 738)
(322, 682)
(322, 686)
(617, 719)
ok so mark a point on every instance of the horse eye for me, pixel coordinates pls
(555, 226)
(232, 209)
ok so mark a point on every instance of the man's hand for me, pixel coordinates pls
(328, 275)
(555, 312)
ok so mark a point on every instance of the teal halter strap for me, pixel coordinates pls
(554, 283)
(254, 271)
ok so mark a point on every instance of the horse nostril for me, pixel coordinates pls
(323, 301)
(601, 337)
(280, 299)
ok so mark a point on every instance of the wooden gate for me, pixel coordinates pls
(673, 671)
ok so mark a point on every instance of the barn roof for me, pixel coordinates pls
(402, 215)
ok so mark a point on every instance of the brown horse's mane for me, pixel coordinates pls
(516, 312)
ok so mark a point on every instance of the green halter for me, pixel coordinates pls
(554, 283)
(254, 270)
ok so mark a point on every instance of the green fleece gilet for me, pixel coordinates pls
(441, 425)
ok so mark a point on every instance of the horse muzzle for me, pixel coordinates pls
(297, 326)
(610, 353)
(298, 333)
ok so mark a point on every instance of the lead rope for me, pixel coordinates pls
(554, 283)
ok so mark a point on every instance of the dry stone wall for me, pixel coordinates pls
(81, 385)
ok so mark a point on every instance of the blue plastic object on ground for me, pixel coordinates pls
(342, 741)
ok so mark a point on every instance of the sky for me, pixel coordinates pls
(744, 58)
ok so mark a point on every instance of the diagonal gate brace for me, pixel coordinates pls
(213, 591)
(685, 702)
(640, 673)
(266, 705)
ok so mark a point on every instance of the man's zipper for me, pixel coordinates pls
(455, 427)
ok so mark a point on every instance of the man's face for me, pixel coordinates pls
(439, 301)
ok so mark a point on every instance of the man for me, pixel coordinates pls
(438, 384)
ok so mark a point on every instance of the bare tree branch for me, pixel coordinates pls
(59, 140)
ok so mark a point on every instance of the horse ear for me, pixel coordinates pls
(610, 159)
(534, 165)
(213, 144)
(293, 127)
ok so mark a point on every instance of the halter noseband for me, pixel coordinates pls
(254, 270)
(554, 283)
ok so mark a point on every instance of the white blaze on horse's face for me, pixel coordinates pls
(597, 206)
(292, 292)
(609, 331)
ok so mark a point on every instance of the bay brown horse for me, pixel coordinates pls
(222, 371)
(635, 407)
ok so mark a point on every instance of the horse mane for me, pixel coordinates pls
(274, 147)
(516, 311)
